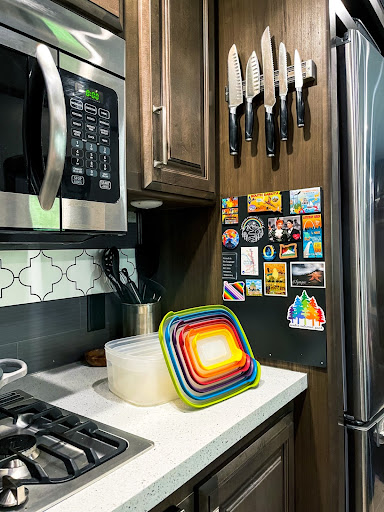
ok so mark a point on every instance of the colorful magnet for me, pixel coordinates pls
(230, 202)
(229, 265)
(308, 274)
(265, 202)
(305, 313)
(249, 261)
(269, 253)
(275, 279)
(230, 218)
(284, 229)
(312, 236)
(305, 200)
(252, 229)
(230, 239)
(288, 251)
(234, 291)
(254, 287)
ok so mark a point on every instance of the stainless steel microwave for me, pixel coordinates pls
(62, 121)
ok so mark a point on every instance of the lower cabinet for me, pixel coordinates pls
(258, 479)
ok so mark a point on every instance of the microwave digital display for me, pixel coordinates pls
(87, 92)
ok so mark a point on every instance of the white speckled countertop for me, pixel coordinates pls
(186, 440)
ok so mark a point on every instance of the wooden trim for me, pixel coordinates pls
(97, 14)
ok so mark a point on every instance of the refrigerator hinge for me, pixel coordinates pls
(340, 41)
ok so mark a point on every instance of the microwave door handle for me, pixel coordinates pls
(57, 128)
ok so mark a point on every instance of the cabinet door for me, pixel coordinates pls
(176, 42)
(259, 479)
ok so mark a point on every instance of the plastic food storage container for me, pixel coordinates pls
(137, 371)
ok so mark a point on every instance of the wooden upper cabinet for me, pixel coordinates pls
(107, 13)
(177, 104)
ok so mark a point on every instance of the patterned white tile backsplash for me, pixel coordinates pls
(36, 276)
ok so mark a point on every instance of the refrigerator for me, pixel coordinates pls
(361, 121)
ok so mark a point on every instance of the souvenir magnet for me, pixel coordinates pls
(254, 287)
(230, 239)
(249, 261)
(308, 274)
(265, 202)
(305, 200)
(305, 313)
(269, 253)
(252, 229)
(234, 291)
(288, 251)
(227, 219)
(312, 236)
(229, 265)
(284, 229)
(275, 279)
(230, 202)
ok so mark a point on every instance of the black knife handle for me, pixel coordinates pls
(283, 118)
(270, 133)
(233, 134)
(300, 108)
(248, 120)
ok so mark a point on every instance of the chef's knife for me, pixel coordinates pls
(235, 98)
(269, 91)
(299, 90)
(252, 88)
(283, 89)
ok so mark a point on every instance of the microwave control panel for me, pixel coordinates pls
(91, 170)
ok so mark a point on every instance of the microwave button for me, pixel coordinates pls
(104, 150)
(105, 167)
(76, 103)
(77, 180)
(105, 175)
(104, 123)
(104, 132)
(90, 109)
(104, 140)
(105, 185)
(90, 146)
(91, 136)
(77, 133)
(78, 162)
(78, 153)
(105, 158)
(74, 113)
(92, 173)
(91, 164)
(76, 143)
(77, 124)
(90, 127)
(77, 170)
(90, 155)
(104, 113)
(90, 119)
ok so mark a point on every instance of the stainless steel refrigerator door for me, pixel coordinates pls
(362, 182)
(366, 467)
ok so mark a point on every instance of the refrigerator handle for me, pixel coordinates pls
(57, 128)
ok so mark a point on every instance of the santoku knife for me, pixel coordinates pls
(269, 91)
(299, 90)
(235, 98)
(252, 89)
(283, 89)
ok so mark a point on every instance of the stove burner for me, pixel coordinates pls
(23, 443)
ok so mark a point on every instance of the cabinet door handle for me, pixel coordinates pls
(164, 146)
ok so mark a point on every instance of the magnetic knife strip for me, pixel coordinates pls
(308, 68)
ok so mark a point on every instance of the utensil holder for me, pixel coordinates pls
(141, 318)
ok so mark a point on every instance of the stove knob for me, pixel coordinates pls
(13, 493)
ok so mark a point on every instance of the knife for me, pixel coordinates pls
(269, 91)
(299, 90)
(252, 89)
(283, 89)
(235, 98)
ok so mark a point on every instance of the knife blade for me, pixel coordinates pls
(299, 90)
(252, 89)
(283, 89)
(235, 98)
(269, 91)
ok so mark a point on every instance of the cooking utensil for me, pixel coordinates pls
(132, 286)
(283, 89)
(299, 90)
(269, 92)
(235, 98)
(252, 89)
(7, 377)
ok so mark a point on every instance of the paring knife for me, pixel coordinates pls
(252, 89)
(299, 90)
(235, 90)
(269, 91)
(283, 89)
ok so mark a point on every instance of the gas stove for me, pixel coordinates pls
(48, 453)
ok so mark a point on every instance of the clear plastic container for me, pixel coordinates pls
(137, 371)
